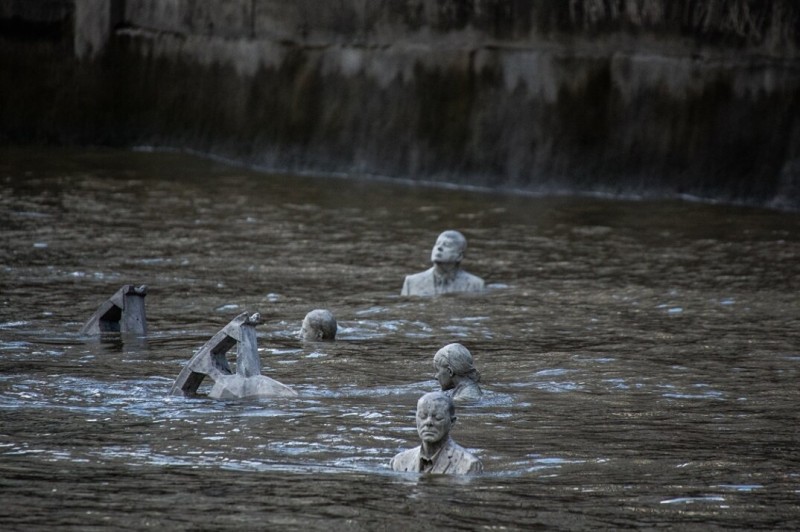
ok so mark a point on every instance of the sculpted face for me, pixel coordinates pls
(444, 375)
(307, 332)
(449, 247)
(433, 419)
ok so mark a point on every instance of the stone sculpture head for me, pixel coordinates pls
(453, 363)
(449, 248)
(436, 415)
(318, 325)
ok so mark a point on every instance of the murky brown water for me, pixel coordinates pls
(640, 360)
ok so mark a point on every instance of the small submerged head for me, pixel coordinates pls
(449, 248)
(436, 415)
(318, 325)
(453, 363)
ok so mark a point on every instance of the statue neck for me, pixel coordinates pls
(445, 271)
(430, 450)
(461, 382)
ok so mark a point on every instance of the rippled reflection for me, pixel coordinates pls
(639, 360)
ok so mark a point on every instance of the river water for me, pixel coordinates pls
(640, 359)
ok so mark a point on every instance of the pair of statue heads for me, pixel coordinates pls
(438, 453)
(445, 276)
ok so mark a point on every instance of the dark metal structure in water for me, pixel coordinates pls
(123, 312)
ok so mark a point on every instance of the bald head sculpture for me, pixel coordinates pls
(318, 325)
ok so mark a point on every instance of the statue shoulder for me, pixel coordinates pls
(472, 282)
(405, 460)
(418, 284)
(420, 276)
(467, 393)
(465, 462)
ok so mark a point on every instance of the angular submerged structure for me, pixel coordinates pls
(123, 312)
(211, 361)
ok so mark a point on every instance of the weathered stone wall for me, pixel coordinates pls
(770, 26)
(623, 96)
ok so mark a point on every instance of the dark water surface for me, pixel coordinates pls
(640, 359)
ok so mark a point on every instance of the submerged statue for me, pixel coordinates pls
(446, 275)
(123, 312)
(318, 325)
(456, 373)
(438, 452)
(210, 362)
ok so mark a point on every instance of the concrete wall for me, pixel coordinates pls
(766, 26)
(621, 96)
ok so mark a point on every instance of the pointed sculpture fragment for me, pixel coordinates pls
(210, 361)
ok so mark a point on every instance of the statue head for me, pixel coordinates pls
(452, 363)
(449, 247)
(435, 417)
(318, 325)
